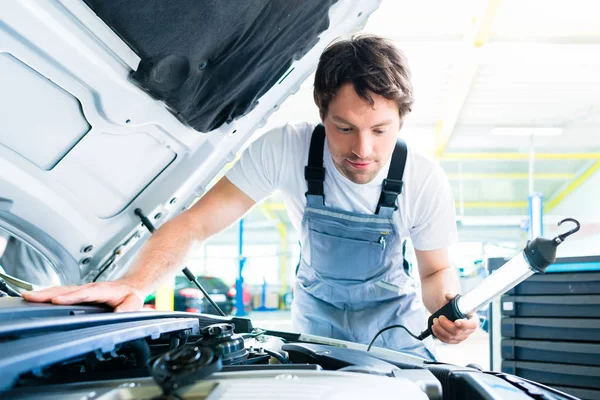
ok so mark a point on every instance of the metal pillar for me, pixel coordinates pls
(536, 200)
(239, 283)
(536, 213)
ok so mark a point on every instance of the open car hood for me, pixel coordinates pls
(110, 106)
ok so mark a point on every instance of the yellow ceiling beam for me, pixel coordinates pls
(273, 206)
(499, 156)
(459, 90)
(484, 32)
(465, 70)
(492, 204)
(572, 186)
(511, 176)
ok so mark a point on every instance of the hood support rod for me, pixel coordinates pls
(146, 222)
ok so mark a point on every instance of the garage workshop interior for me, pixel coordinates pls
(307, 199)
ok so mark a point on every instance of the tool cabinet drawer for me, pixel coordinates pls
(583, 394)
(562, 329)
(555, 374)
(551, 351)
(559, 283)
(576, 306)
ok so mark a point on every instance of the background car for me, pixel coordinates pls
(187, 297)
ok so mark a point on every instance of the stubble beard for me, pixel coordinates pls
(358, 177)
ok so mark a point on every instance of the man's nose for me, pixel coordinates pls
(363, 146)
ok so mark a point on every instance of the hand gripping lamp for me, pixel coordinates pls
(535, 257)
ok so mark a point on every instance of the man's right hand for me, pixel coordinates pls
(117, 294)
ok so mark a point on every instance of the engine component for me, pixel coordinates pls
(184, 366)
(229, 346)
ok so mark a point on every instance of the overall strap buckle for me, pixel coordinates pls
(390, 191)
(315, 176)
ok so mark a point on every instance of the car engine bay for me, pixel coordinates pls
(89, 352)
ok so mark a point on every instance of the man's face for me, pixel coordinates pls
(361, 137)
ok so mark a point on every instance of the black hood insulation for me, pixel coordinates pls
(211, 60)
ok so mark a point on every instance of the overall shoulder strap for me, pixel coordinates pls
(314, 173)
(392, 185)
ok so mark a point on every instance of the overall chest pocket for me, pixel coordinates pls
(339, 257)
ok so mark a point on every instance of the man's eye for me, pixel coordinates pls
(379, 131)
(342, 129)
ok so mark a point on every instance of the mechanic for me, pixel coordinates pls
(352, 216)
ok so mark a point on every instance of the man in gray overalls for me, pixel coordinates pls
(353, 192)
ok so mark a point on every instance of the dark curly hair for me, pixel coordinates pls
(372, 64)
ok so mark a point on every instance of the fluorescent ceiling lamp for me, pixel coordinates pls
(526, 131)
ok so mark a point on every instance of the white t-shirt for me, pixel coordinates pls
(276, 160)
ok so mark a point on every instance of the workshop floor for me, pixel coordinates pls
(473, 350)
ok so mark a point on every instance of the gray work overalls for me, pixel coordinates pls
(351, 281)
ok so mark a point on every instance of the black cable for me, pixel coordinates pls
(108, 264)
(256, 332)
(278, 356)
(387, 328)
